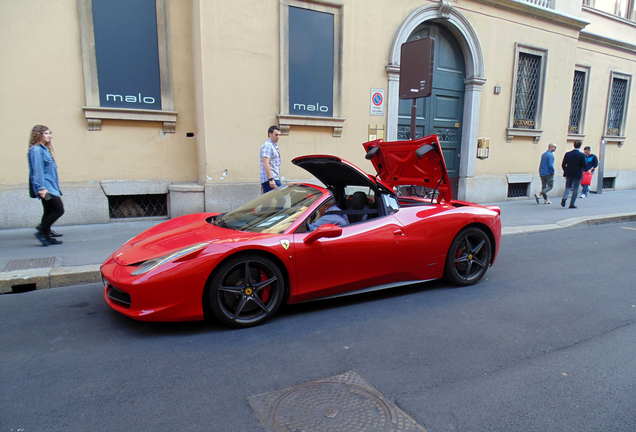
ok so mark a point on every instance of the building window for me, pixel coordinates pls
(625, 9)
(137, 206)
(618, 99)
(311, 65)
(518, 190)
(126, 61)
(579, 100)
(620, 8)
(527, 93)
(548, 4)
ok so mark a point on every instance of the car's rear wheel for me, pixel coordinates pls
(246, 290)
(468, 257)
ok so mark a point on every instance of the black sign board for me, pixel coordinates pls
(416, 68)
(311, 45)
(127, 54)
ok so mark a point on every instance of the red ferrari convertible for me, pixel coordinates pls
(398, 227)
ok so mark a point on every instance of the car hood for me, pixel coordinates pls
(419, 162)
(177, 234)
(333, 171)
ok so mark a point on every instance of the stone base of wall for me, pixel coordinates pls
(87, 203)
(490, 188)
(84, 203)
(223, 197)
(186, 198)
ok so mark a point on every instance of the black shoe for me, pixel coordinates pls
(563, 202)
(573, 207)
(54, 241)
(53, 233)
(43, 239)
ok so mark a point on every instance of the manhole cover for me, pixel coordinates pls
(29, 264)
(341, 403)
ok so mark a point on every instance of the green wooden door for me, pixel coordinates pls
(442, 112)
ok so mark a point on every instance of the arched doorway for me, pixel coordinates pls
(442, 112)
(452, 21)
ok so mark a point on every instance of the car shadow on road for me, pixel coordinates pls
(159, 329)
(357, 299)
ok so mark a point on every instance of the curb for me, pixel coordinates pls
(43, 278)
(25, 280)
(567, 223)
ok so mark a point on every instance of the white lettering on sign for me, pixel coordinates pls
(317, 107)
(130, 98)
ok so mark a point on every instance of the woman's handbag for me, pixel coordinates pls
(587, 178)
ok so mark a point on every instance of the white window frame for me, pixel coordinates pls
(586, 85)
(535, 133)
(285, 120)
(93, 112)
(620, 139)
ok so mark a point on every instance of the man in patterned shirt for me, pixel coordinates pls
(270, 160)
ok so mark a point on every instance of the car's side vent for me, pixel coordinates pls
(137, 206)
(518, 190)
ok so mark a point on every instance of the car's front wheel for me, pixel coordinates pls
(246, 290)
(468, 257)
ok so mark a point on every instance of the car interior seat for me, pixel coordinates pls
(359, 201)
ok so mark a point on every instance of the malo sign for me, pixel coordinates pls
(416, 68)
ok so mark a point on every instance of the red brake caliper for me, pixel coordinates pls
(266, 291)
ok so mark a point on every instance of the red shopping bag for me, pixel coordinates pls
(587, 178)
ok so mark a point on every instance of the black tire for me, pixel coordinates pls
(468, 258)
(241, 301)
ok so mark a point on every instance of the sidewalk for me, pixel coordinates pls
(85, 247)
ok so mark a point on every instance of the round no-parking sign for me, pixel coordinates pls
(377, 102)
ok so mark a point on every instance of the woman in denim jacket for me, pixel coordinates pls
(44, 183)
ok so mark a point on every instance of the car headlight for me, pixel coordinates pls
(152, 264)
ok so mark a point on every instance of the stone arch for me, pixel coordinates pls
(444, 13)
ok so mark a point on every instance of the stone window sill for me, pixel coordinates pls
(514, 132)
(620, 140)
(286, 121)
(95, 115)
(576, 137)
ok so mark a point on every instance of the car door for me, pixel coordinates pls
(365, 255)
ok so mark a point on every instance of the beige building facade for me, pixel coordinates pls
(516, 74)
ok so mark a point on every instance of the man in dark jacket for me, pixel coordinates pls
(573, 165)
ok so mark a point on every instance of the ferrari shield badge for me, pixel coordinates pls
(285, 244)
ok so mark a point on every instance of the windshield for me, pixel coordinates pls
(272, 212)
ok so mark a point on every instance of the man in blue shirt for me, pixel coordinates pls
(270, 160)
(591, 162)
(546, 171)
(330, 213)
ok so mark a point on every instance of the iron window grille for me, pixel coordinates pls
(137, 206)
(527, 94)
(617, 107)
(518, 190)
(608, 182)
(576, 107)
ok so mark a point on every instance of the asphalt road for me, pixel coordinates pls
(546, 343)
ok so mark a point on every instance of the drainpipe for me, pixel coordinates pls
(600, 168)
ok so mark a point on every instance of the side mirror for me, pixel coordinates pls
(326, 231)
